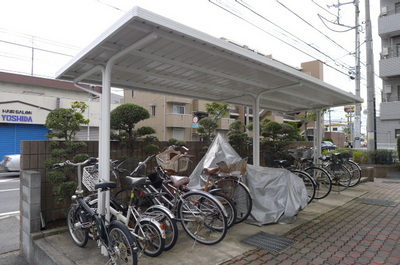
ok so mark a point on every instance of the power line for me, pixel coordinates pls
(280, 39)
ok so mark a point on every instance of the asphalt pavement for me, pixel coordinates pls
(9, 243)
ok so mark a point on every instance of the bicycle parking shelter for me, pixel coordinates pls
(145, 51)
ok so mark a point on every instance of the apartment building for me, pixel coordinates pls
(178, 117)
(388, 123)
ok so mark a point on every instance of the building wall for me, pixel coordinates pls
(25, 102)
(388, 123)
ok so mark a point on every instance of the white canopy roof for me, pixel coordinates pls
(149, 52)
(175, 59)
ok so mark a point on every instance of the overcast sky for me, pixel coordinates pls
(292, 31)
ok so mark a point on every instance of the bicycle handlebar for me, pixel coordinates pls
(89, 161)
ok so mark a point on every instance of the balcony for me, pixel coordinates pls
(388, 25)
(178, 120)
(224, 123)
(389, 67)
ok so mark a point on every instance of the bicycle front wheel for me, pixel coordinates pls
(240, 194)
(308, 182)
(150, 238)
(341, 177)
(122, 248)
(228, 205)
(355, 171)
(323, 181)
(168, 223)
(202, 217)
(76, 217)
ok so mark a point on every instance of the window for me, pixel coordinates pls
(178, 134)
(153, 110)
(335, 129)
(398, 93)
(133, 93)
(397, 133)
(178, 109)
(397, 7)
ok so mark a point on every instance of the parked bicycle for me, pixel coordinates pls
(82, 220)
(304, 160)
(147, 231)
(133, 196)
(231, 185)
(175, 160)
(341, 176)
(308, 181)
(201, 215)
(353, 167)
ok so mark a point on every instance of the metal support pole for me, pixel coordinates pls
(357, 117)
(370, 81)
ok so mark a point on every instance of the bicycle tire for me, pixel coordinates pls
(355, 171)
(75, 218)
(202, 217)
(323, 181)
(341, 176)
(153, 243)
(241, 196)
(123, 196)
(122, 247)
(163, 216)
(228, 205)
(308, 182)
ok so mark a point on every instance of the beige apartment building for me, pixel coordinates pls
(177, 117)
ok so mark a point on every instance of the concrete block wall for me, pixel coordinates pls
(30, 221)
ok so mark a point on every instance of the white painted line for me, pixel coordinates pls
(9, 190)
(5, 215)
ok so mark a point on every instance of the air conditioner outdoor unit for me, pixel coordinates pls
(383, 10)
(385, 51)
(388, 89)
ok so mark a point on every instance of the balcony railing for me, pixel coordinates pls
(178, 120)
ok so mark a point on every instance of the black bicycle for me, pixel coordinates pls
(85, 222)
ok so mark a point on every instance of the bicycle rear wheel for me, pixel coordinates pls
(76, 217)
(322, 180)
(122, 248)
(240, 195)
(202, 217)
(308, 182)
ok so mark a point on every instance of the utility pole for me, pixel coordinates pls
(371, 129)
(357, 116)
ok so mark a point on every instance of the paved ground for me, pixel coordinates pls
(344, 228)
(9, 242)
(357, 232)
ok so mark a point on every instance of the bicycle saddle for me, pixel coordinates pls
(178, 181)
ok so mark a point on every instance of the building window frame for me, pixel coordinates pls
(178, 109)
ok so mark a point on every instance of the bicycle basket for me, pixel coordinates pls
(90, 177)
(171, 160)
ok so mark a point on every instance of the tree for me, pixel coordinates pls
(207, 128)
(208, 125)
(239, 139)
(277, 135)
(64, 125)
(124, 119)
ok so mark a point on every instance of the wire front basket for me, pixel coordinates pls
(90, 177)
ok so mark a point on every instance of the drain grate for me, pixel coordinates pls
(378, 202)
(389, 181)
(270, 242)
